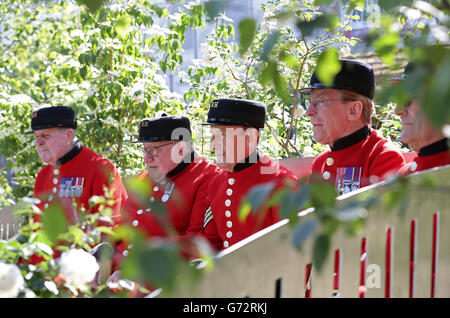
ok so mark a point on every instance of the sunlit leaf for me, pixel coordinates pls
(328, 66)
(386, 46)
(320, 22)
(92, 5)
(54, 222)
(122, 25)
(247, 28)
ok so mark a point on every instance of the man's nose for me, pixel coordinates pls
(40, 141)
(148, 157)
(311, 110)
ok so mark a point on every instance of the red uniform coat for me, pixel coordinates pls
(222, 226)
(358, 160)
(80, 174)
(434, 155)
(180, 193)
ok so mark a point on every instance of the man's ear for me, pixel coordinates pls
(355, 110)
(180, 150)
(70, 134)
(252, 136)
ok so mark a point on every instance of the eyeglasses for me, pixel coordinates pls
(153, 151)
(322, 102)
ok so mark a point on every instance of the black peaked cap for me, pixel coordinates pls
(53, 116)
(354, 76)
(165, 128)
(410, 68)
(234, 111)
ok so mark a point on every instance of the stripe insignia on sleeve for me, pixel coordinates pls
(208, 217)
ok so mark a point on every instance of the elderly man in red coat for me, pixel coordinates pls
(235, 127)
(341, 114)
(177, 179)
(429, 142)
(73, 172)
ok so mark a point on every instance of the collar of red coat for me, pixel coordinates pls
(71, 154)
(435, 148)
(182, 165)
(247, 162)
(351, 139)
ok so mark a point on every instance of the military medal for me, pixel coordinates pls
(348, 179)
(167, 191)
(71, 187)
(79, 187)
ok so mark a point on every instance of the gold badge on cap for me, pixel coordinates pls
(34, 114)
(144, 124)
(214, 104)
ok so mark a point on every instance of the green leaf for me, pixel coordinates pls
(215, 7)
(323, 2)
(328, 66)
(435, 102)
(92, 5)
(270, 73)
(244, 211)
(320, 251)
(105, 230)
(323, 195)
(320, 22)
(258, 195)
(247, 29)
(138, 187)
(122, 25)
(385, 46)
(292, 202)
(153, 264)
(54, 222)
(269, 44)
(303, 231)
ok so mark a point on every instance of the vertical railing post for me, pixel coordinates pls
(412, 257)
(389, 261)
(278, 288)
(362, 268)
(337, 272)
(435, 253)
(308, 277)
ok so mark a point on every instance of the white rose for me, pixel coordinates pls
(77, 266)
(11, 280)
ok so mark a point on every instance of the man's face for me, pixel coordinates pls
(229, 145)
(161, 157)
(52, 143)
(328, 115)
(417, 131)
